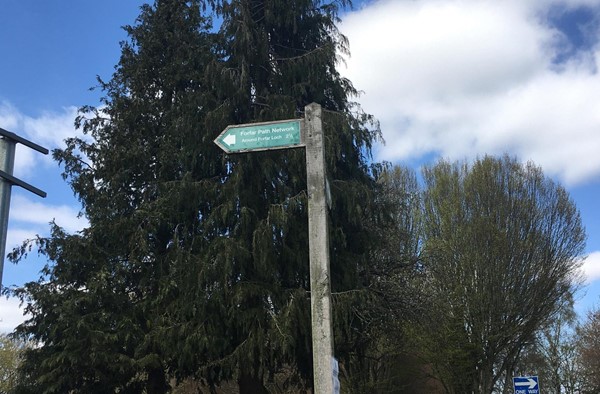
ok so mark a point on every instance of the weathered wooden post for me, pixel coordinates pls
(318, 236)
(294, 133)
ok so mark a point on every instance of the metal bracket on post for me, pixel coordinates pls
(8, 142)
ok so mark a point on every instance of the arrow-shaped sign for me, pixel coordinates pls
(531, 383)
(526, 384)
(280, 134)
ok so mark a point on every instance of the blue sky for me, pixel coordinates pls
(446, 78)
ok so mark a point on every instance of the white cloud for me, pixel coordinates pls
(52, 128)
(462, 78)
(9, 116)
(28, 211)
(29, 218)
(16, 236)
(11, 314)
(591, 267)
(47, 130)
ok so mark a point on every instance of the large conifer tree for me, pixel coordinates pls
(195, 264)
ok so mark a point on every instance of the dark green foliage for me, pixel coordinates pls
(381, 359)
(195, 264)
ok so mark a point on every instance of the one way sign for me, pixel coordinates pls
(526, 385)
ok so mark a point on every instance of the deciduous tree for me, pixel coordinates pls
(502, 245)
(11, 353)
(589, 352)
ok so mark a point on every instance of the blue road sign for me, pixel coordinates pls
(526, 385)
(336, 371)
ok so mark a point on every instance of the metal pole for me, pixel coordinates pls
(318, 235)
(7, 163)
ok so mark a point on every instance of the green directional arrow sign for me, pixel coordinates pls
(261, 136)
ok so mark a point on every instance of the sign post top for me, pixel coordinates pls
(253, 137)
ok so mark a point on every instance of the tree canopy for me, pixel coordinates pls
(10, 357)
(589, 352)
(502, 245)
(195, 263)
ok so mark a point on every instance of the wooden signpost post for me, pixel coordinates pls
(308, 133)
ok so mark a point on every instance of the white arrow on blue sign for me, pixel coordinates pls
(526, 385)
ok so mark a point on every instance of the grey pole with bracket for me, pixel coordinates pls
(8, 142)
